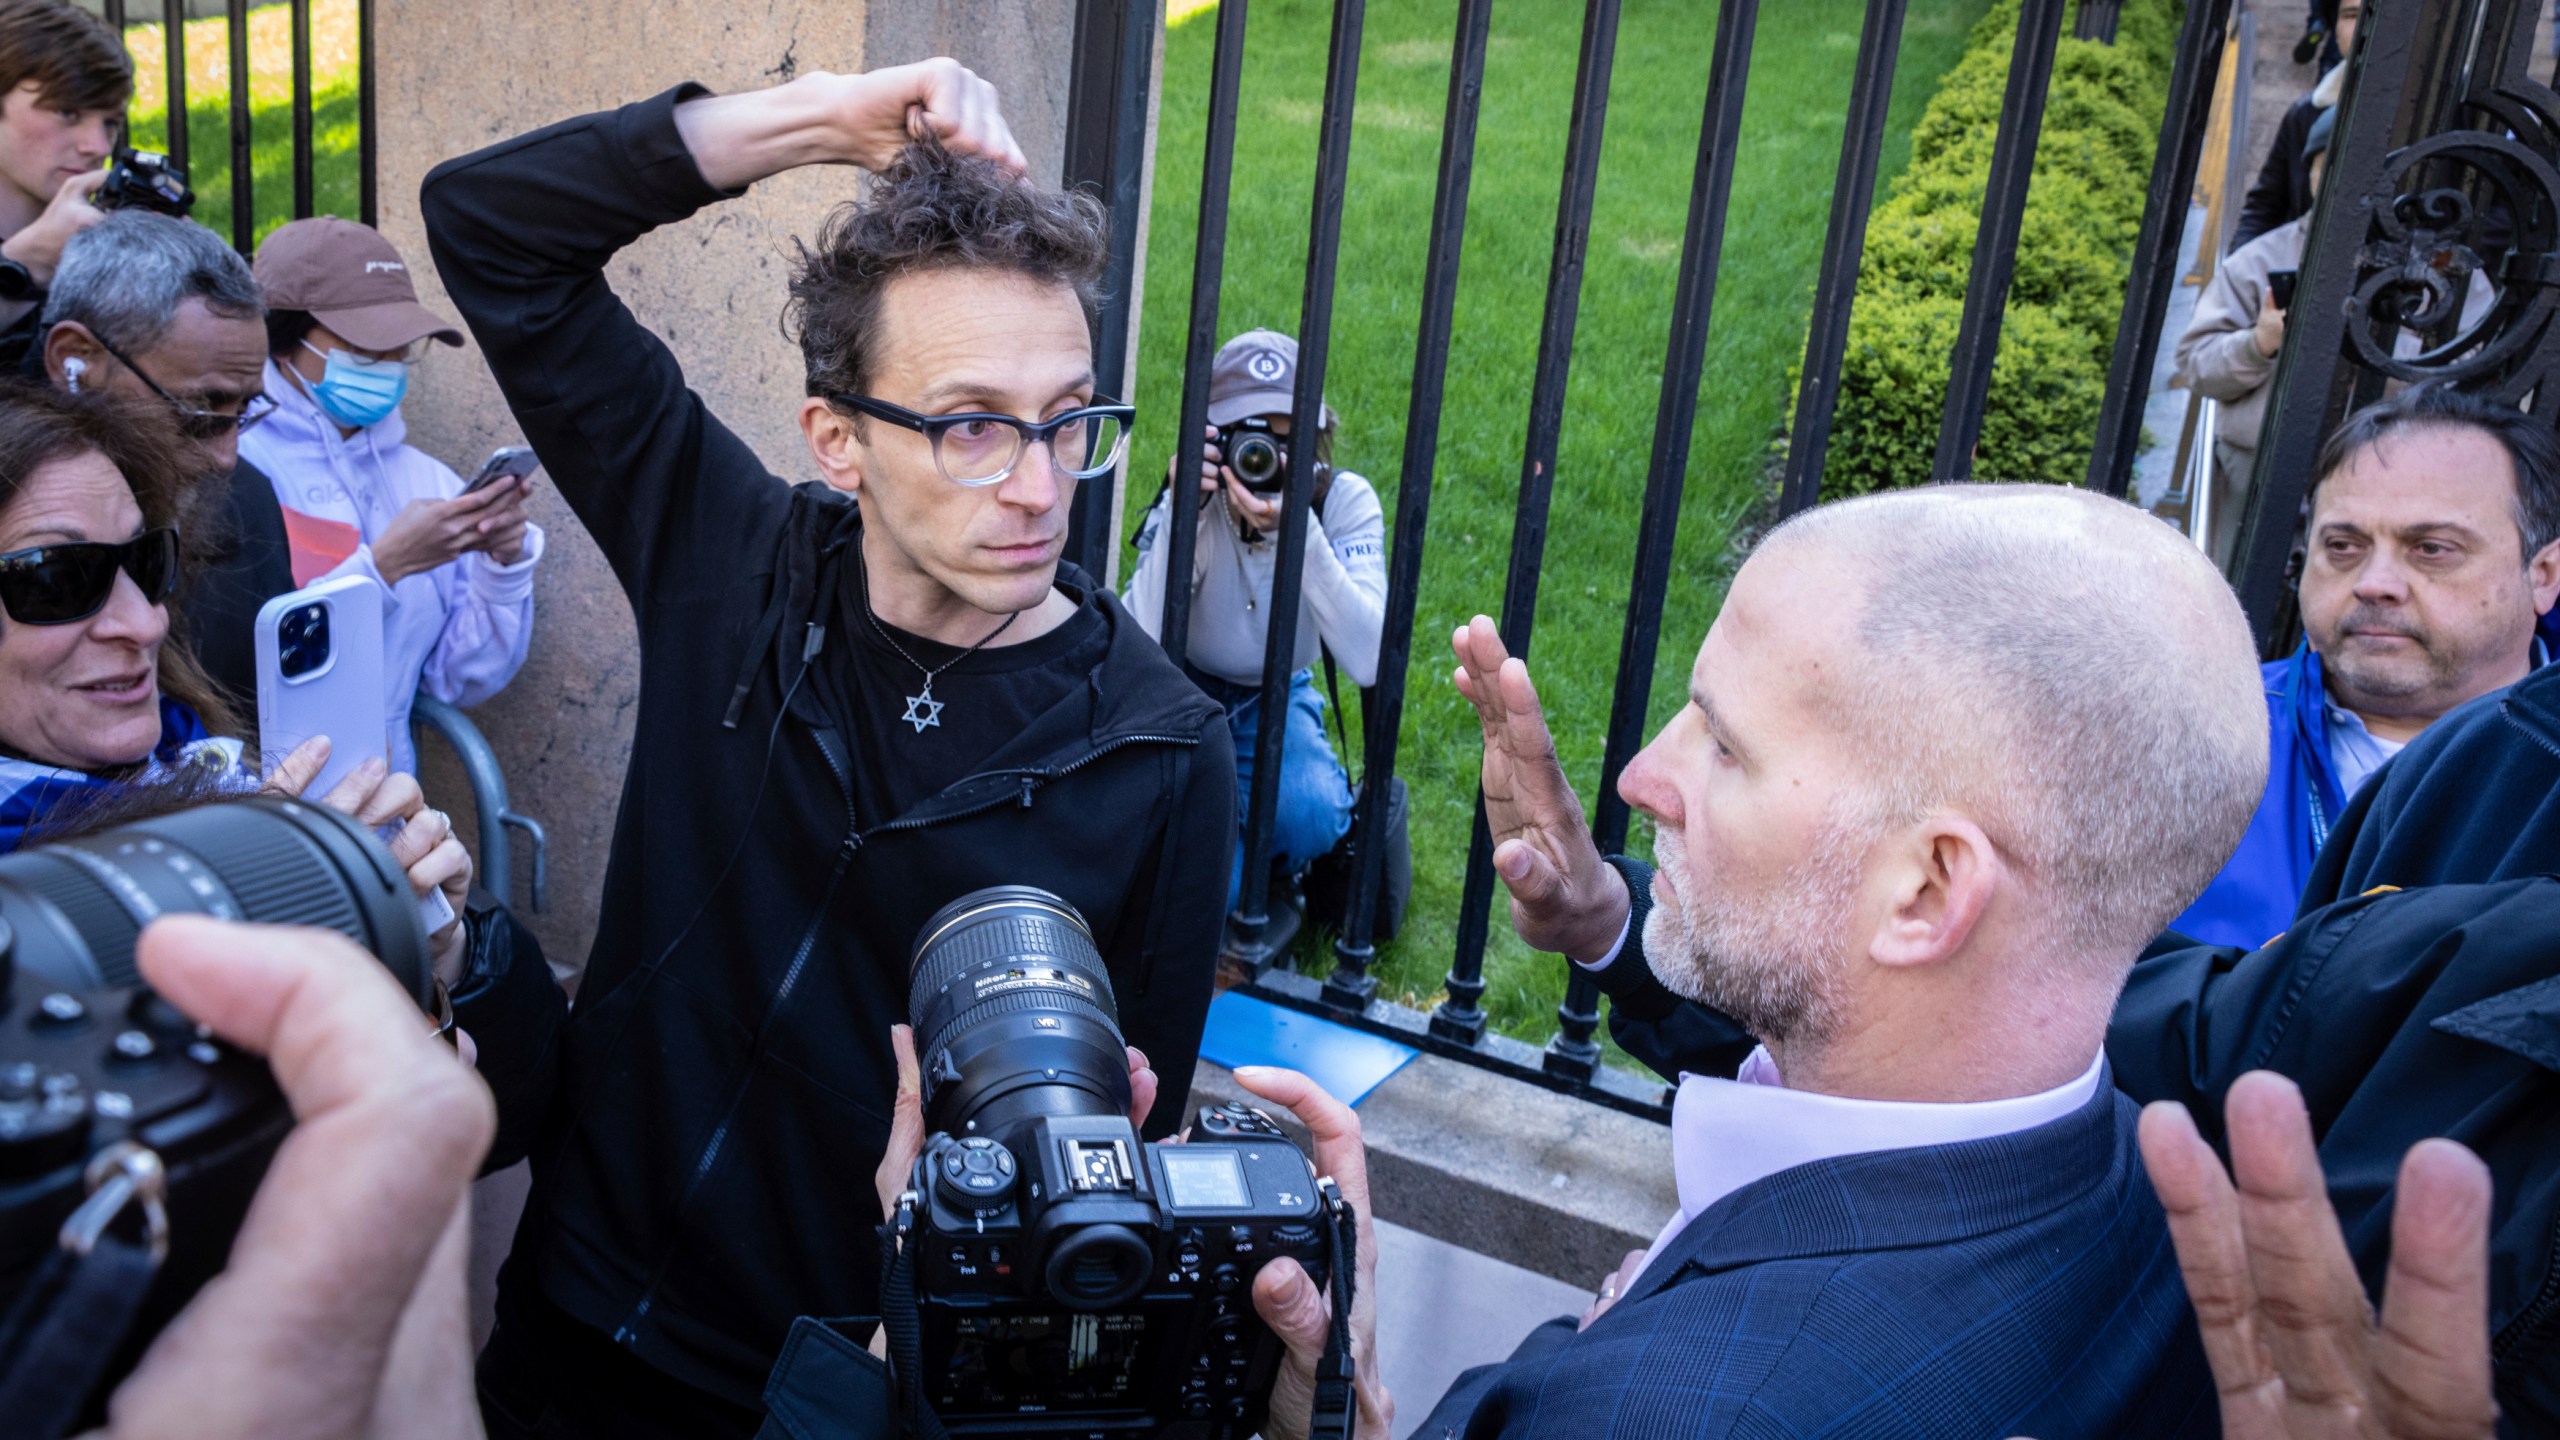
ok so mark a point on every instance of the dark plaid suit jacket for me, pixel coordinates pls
(2022, 1285)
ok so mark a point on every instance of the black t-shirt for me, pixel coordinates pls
(985, 700)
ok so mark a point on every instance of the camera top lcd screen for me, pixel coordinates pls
(1204, 1177)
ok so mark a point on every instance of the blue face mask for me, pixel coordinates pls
(357, 392)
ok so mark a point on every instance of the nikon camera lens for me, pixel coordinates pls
(1013, 1014)
(71, 911)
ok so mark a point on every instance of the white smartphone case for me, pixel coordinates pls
(341, 697)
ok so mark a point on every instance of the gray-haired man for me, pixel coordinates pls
(161, 310)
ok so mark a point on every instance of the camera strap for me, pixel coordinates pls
(911, 1415)
(70, 1322)
(1335, 1413)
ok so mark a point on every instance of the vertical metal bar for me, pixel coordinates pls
(1208, 274)
(1106, 150)
(1574, 1051)
(2403, 81)
(1351, 986)
(1459, 1019)
(1306, 410)
(368, 132)
(2154, 275)
(112, 11)
(173, 38)
(1995, 242)
(2098, 21)
(1852, 195)
(302, 197)
(244, 217)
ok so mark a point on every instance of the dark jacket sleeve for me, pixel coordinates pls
(1174, 953)
(1669, 1034)
(1452, 1412)
(521, 232)
(2281, 189)
(515, 1015)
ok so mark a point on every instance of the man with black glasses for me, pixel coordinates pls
(160, 310)
(847, 718)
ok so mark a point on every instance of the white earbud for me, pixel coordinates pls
(72, 369)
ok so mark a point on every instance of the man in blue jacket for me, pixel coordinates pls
(2434, 546)
(1930, 797)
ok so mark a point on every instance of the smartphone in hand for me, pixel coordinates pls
(320, 673)
(2280, 285)
(507, 462)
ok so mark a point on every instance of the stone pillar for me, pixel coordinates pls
(457, 77)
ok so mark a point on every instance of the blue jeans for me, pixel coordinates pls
(1315, 793)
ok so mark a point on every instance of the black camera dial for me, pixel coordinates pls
(975, 1176)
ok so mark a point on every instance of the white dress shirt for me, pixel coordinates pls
(1725, 1134)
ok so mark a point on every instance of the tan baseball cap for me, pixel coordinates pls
(351, 280)
(1256, 373)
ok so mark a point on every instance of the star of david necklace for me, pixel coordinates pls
(923, 711)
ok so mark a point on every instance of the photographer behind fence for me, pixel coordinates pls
(1244, 474)
(1934, 790)
(64, 81)
(848, 717)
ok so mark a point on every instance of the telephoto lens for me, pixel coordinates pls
(1013, 1014)
(122, 1122)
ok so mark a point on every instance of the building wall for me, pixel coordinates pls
(457, 77)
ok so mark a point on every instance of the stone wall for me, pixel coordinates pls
(456, 77)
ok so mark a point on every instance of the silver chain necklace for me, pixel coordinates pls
(923, 710)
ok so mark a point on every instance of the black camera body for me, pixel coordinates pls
(118, 1116)
(1259, 457)
(1068, 1278)
(145, 180)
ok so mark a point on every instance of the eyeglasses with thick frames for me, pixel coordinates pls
(981, 447)
(64, 584)
(196, 424)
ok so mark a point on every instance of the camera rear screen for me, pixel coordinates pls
(1206, 1177)
(1002, 1362)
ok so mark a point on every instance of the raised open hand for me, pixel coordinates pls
(2296, 1352)
(1563, 898)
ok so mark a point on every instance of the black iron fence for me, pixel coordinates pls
(1572, 1059)
(172, 16)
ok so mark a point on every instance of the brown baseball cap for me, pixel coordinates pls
(351, 280)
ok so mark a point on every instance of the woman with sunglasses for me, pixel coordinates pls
(91, 695)
(344, 329)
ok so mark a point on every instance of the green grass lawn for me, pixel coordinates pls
(333, 111)
(1773, 241)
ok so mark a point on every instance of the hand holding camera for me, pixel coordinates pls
(425, 848)
(38, 247)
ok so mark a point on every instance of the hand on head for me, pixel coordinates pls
(1298, 1312)
(342, 1310)
(1564, 898)
(2296, 1351)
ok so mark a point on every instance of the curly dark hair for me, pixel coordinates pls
(40, 425)
(932, 210)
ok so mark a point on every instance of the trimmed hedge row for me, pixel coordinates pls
(2075, 248)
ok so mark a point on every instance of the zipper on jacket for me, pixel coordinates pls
(628, 1333)
(1028, 781)
(2546, 1301)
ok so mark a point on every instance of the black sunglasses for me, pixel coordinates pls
(197, 424)
(61, 584)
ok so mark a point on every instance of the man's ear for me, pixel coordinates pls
(70, 340)
(1943, 882)
(2542, 573)
(834, 444)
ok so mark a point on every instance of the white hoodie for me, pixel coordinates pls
(459, 631)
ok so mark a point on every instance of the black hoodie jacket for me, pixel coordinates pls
(725, 1083)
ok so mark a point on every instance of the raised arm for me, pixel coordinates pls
(521, 233)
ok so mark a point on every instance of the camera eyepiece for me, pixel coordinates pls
(1013, 1014)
